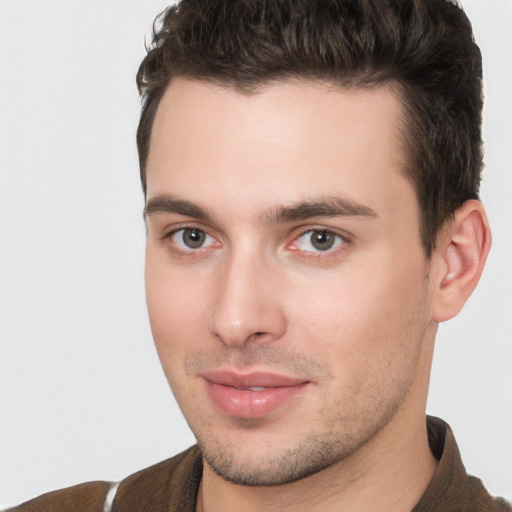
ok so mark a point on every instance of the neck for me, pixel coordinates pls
(389, 473)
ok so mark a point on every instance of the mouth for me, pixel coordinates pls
(252, 395)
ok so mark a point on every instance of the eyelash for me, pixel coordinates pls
(343, 241)
(297, 235)
(185, 253)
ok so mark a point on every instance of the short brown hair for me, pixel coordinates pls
(423, 47)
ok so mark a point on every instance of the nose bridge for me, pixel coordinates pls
(247, 305)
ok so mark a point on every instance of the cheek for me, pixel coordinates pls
(178, 307)
(361, 319)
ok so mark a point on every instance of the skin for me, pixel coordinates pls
(355, 321)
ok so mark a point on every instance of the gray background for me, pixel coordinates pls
(82, 395)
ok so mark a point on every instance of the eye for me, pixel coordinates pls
(191, 238)
(318, 240)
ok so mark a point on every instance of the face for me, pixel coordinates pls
(286, 282)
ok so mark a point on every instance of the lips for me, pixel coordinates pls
(253, 395)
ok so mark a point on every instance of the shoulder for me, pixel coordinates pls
(168, 485)
(480, 499)
(452, 488)
(91, 497)
(148, 489)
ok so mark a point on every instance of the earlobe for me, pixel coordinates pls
(463, 246)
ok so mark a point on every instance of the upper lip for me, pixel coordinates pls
(250, 380)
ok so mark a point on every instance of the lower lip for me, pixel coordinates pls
(241, 403)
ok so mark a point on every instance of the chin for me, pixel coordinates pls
(250, 459)
(289, 467)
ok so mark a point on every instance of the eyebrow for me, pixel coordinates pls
(332, 206)
(169, 204)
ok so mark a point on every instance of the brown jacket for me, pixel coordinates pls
(171, 486)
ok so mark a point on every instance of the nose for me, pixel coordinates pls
(247, 307)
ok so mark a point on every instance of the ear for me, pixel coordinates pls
(462, 248)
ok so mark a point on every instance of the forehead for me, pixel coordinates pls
(286, 140)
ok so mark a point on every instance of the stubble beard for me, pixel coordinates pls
(316, 451)
(333, 439)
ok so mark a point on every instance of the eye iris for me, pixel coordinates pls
(322, 240)
(193, 238)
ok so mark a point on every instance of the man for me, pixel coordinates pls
(311, 176)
